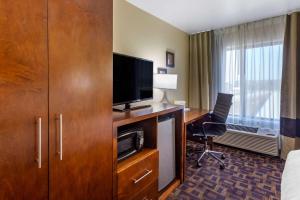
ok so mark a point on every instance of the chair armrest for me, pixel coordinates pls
(213, 123)
(198, 135)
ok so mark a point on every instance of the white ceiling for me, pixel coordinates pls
(194, 16)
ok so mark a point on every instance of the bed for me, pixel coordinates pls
(290, 184)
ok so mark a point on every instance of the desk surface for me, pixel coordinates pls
(194, 114)
(121, 118)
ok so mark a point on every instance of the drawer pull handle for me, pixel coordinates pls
(142, 177)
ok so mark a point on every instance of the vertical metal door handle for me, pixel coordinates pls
(39, 140)
(60, 137)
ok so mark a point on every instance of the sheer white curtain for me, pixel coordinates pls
(247, 63)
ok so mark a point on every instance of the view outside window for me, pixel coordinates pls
(253, 75)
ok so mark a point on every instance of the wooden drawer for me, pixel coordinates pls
(150, 193)
(138, 177)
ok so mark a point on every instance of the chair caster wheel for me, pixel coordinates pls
(199, 164)
(222, 166)
(222, 156)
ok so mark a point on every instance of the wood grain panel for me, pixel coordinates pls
(80, 60)
(149, 193)
(180, 142)
(128, 171)
(23, 97)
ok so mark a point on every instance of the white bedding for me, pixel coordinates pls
(290, 184)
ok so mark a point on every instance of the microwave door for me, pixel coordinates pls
(126, 145)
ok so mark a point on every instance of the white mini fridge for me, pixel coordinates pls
(166, 147)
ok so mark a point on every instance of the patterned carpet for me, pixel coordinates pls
(247, 176)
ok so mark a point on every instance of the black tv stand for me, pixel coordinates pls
(129, 108)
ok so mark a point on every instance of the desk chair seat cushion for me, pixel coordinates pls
(209, 129)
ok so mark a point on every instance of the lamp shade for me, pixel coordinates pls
(165, 81)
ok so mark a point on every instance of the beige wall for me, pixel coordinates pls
(140, 34)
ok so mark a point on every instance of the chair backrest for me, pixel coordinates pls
(222, 107)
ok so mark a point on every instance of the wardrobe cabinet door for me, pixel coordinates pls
(80, 91)
(23, 100)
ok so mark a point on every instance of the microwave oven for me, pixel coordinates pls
(130, 142)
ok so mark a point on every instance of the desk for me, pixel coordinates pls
(191, 116)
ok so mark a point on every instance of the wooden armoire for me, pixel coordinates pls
(56, 99)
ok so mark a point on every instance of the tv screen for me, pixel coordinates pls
(132, 79)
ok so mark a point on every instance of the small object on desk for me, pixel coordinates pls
(162, 70)
(182, 103)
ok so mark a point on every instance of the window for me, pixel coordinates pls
(253, 75)
(247, 62)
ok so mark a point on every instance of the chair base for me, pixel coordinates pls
(212, 154)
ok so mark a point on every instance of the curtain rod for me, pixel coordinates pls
(293, 11)
(288, 13)
(202, 31)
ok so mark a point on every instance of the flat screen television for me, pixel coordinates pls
(132, 80)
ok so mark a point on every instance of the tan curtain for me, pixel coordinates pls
(290, 89)
(200, 70)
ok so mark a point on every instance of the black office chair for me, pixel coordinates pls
(213, 126)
